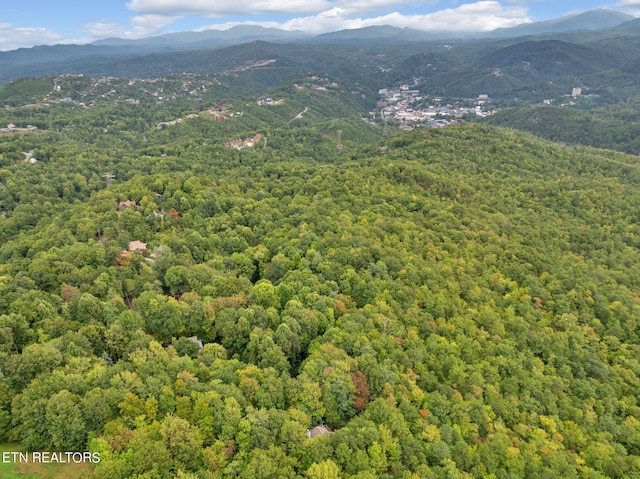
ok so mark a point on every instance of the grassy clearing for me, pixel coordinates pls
(10, 470)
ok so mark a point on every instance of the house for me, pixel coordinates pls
(265, 101)
(319, 430)
(250, 142)
(122, 259)
(197, 341)
(137, 246)
(246, 143)
(233, 144)
(123, 205)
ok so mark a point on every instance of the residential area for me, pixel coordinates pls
(408, 108)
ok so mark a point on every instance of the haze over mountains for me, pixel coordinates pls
(591, 20)
(106, 57)
(597, 52)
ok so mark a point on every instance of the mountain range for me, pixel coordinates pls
(597, 50)
(105, 57)
(591, 20)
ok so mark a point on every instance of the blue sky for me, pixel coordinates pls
(38, 22)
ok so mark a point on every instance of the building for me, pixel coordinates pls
(137, 246)
(123, 205)
(319, 430)
(194, 339)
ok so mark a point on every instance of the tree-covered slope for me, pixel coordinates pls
(460, 302)
(551, 58)
(613, 128)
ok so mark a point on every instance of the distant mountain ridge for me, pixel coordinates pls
(591, 20)
(209, 38)
(375, 33)
(177, 52)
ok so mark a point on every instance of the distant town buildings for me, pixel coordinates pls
(11, 128)
(246, 143)
(408, 109)
(265, 101)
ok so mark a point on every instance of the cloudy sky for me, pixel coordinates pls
(45, 22)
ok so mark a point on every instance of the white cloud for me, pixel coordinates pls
(228, 25)
(353, 7)
(630, 6)
(226, 7)
(143, 26)
(12, 37)
(313, 16)
(474, 17)
(480, 16)
(105, 30)
(330, 20)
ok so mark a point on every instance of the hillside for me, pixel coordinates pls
(525, 69)
(604, 128)
(451, 303)
(551, 58)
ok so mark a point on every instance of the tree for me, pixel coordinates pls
(183, 441)
(323, 470)
(272, 463)
(65, 423)
(89, 309)
(265, 294)
(362, 390)
(20, 333)
(186, 347)
(34, 360)
(338, 397)
(176, 279)
(309, 398)
(163, 315)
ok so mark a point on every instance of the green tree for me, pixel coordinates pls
(323, 470)
(163, 315)
(65, 423)
(183, 441)
(265, 294)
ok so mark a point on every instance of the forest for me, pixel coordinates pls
(613, 127)
(337, 300)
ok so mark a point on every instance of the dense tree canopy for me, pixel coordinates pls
(450, 303)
